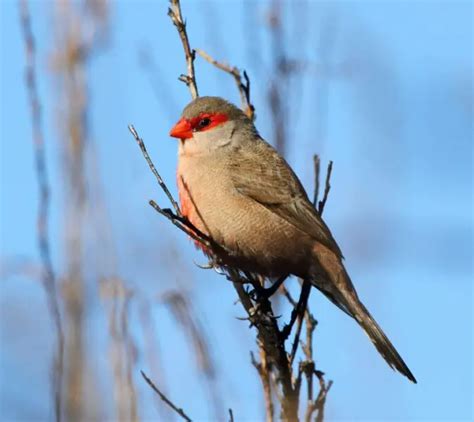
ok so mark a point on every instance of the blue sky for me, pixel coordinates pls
(389, 101)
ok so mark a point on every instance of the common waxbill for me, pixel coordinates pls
(236, 188)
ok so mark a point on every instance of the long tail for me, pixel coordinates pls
(340, 290)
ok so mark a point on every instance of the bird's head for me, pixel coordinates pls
(209, 123)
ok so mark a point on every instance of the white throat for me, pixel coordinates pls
(209, 141)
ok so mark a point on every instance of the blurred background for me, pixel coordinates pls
(382, 88)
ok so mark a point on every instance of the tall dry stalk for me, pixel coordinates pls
(77, 29)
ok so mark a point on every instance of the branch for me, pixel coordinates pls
(163, 186)
(317, 164)
(298, 310)
(327, 188)
(181, 223)
(322, 203)
(174, 12)
(242, 87)
(176, 218)
(304, 297)
(318, 404)
(262, 369)
(178, 410)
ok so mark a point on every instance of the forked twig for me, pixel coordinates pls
(242, 87)
(306, 287)
(318, 404)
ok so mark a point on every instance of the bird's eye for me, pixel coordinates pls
(204, 122)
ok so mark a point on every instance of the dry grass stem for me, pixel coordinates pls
(42, 221)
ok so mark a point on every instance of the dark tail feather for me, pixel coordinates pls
(380, 341)
(339, 289)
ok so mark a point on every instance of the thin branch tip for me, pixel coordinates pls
(177, 409)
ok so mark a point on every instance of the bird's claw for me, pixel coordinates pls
(209, 266)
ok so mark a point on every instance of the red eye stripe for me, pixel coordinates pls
(206, 121)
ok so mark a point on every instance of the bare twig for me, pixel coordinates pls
(321, 399)
(42, 220)
(174, 12)
(231, 415)
(318, 404)
(275, 286)
(178, 410)
(141, 144)
(306, 285)
(327, 188)
(305, 292)
(177, 218)
(152, 350)
(298, 311)
(263, 372)
(288, 296)
(317, 164)
(187, 227)
(242, 87)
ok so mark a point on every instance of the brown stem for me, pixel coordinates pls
(242, 87)
(163, 186)
(174, 12)
(317, 164)
(177, 409)
(327, 188)
(305, 292)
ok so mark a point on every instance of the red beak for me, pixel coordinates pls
(182, 130)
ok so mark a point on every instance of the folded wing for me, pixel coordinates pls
(261, 174)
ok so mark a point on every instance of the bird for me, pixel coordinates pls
(237, 189)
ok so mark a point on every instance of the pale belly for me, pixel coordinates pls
(258, 239)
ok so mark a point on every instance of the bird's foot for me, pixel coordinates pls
(266, 293)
